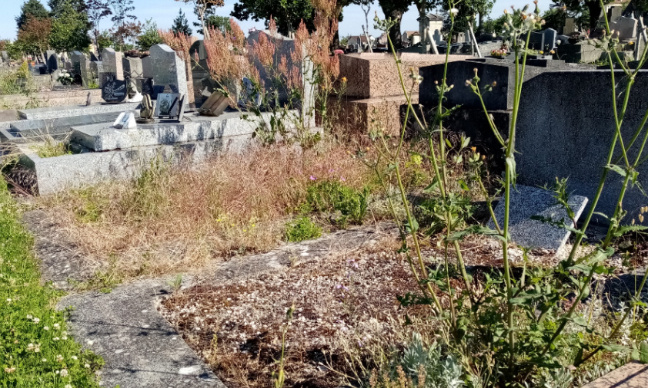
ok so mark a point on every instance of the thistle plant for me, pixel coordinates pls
(511, 329)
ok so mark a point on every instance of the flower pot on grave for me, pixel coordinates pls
(215, 104)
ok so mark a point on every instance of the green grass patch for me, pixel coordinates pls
(348, 204)
(35, 348)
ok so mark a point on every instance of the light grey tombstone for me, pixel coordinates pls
(86, 73)
(534, 215)
(167, 69)
(626, 28)
(570, 26)
(112, 64)
(133, 68)
(199, 70)
(5, 56)
(615, 14)
(310, 90)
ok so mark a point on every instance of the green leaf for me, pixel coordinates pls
(464, 142)
(629, 228)
(580, 321)
(618, 169)
(614, 348)
(510, 163)
(643, 353)
(413, 228)
(463, 185)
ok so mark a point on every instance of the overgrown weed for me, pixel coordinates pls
(187, 217)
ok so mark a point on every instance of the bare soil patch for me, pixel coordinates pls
(346, 313)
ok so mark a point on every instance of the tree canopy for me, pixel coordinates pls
(70, 26)
(181, 24)
(31, 9)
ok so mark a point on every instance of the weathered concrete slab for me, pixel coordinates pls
(527, 202)
(100, 137)
(632, 375)
(27, 129)
(139, 347)
(77, 110)
(80, 170)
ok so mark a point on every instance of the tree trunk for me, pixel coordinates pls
(422, 27)
(395, 31)
(595, 13)
(201, 15)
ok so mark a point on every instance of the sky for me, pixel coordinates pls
(164, 11)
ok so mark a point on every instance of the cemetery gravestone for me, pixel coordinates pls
(52, 61)
(626, 28)
(166, 68)
(549, 39)
(112, 65)
(113, 90)
(567, 135)
(570, 26)
(168, 105)
(5, 56)
(133, 68)
(75, 60)
(86, 73)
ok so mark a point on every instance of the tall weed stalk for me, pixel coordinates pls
(514, 330)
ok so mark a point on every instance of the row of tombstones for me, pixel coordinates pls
(164, 71)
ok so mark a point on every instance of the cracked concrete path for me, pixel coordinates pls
(139, 347)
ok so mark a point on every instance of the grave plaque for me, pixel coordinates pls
(168, 105)
(113, 90)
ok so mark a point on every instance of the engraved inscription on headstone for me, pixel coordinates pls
(113, 90)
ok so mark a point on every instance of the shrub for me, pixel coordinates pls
(303, 228)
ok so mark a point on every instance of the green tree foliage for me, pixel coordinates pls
(181, 24)
(97, 10)
(588, 11)
(31, 8)
(60, 6)
(149, 37)
(494, 25)
(70, 26)
(202, 9)
(287, 14)
(218, 22)
(105, 40)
